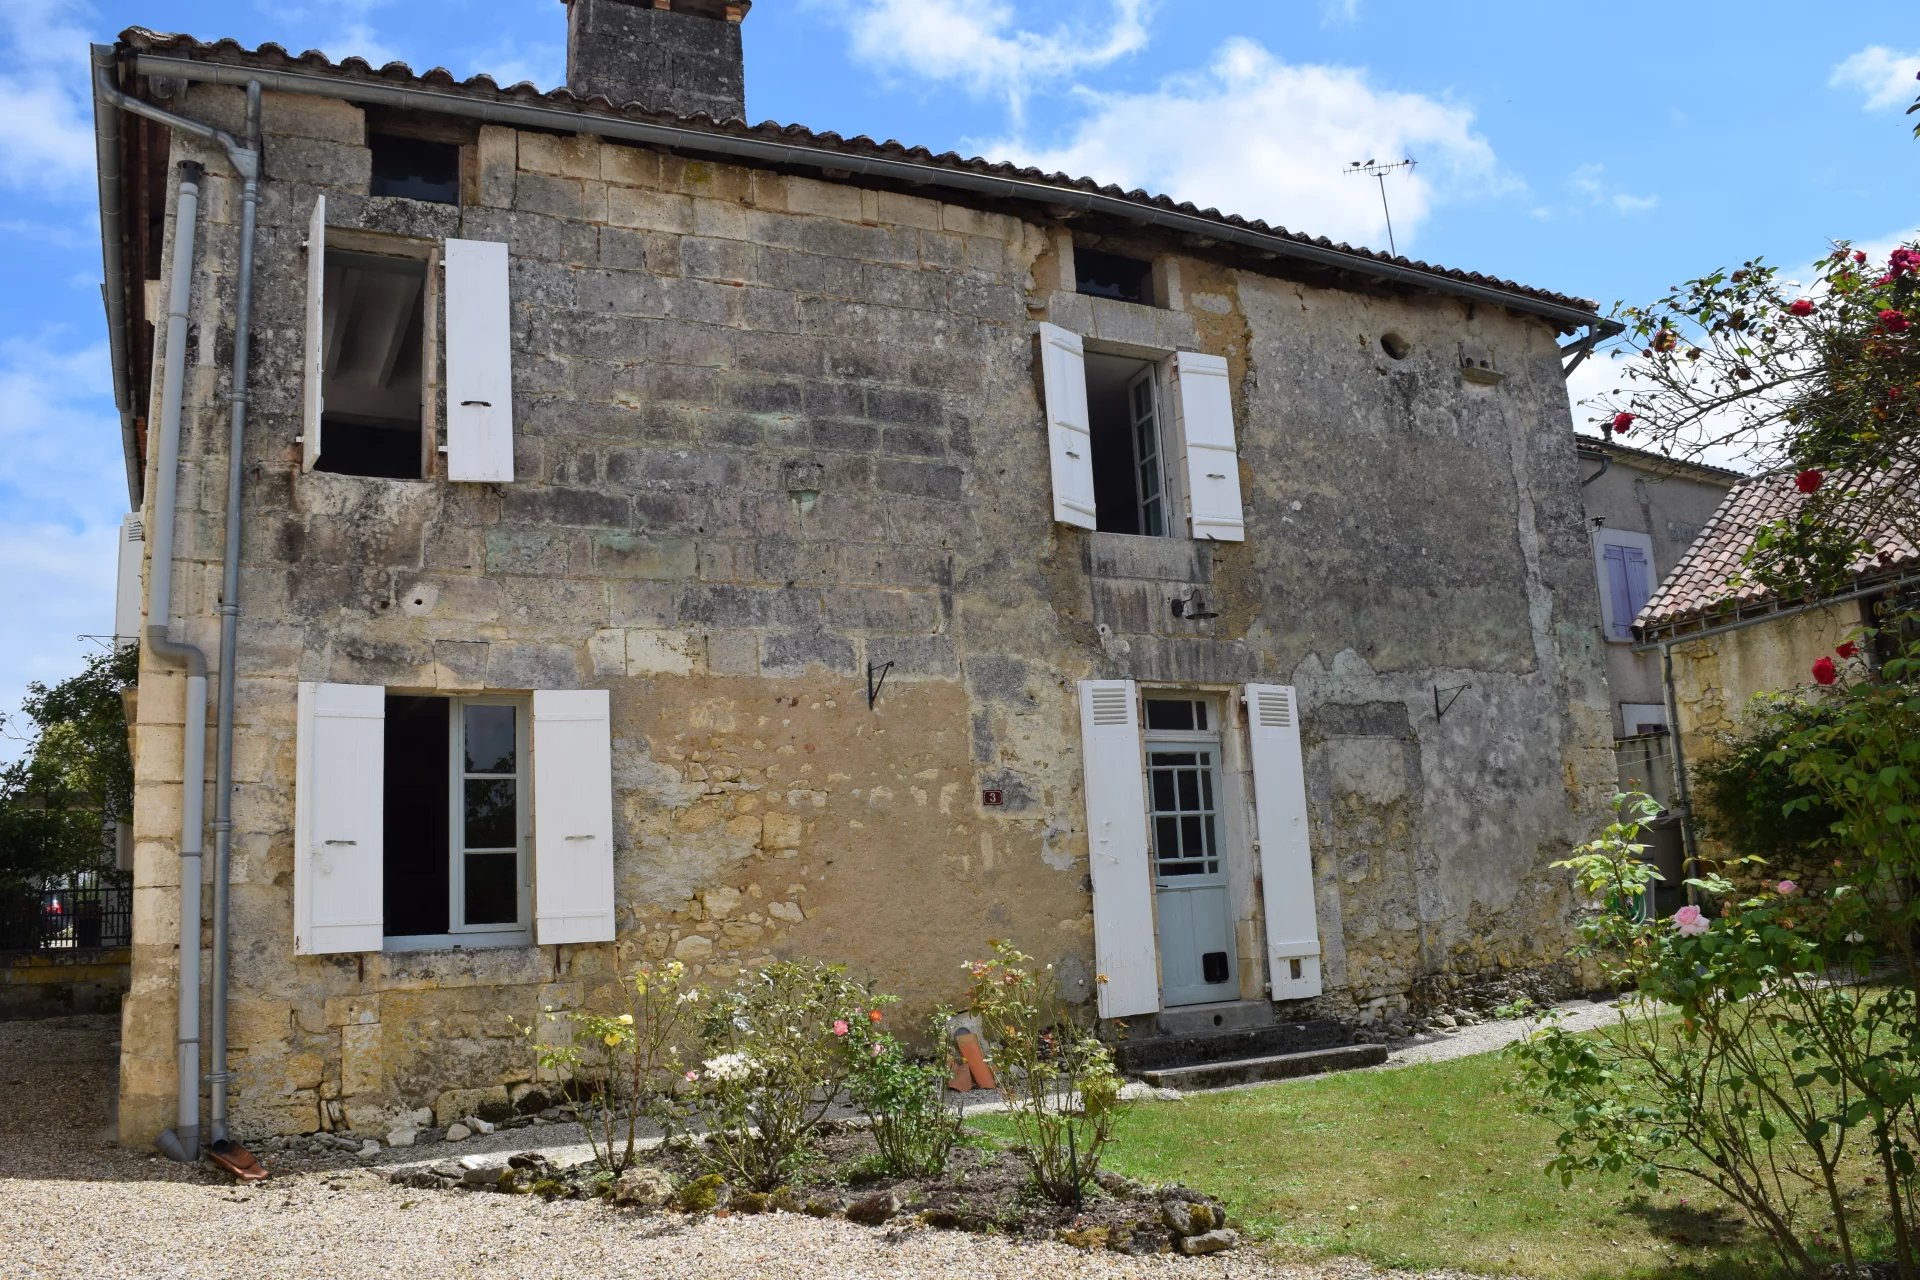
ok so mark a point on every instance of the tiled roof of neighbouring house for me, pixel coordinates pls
(1703, 583)
(273, 57)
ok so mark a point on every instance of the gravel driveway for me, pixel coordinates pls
(72, 1204)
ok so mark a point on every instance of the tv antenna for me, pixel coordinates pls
(1380, 169)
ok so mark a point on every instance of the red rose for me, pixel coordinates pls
(1824, 671)
(1801, 307)
(1665, 341)
(1859, 255)
(1809, 481)
(1893, 321)
(1622, 423)
(1848, 649)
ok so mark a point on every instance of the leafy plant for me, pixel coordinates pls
(623, 1065)
(1062, 1092)
(777, 1057)
(914, 1125)
(1756, 1059)
(75, 777)
(1744, 788)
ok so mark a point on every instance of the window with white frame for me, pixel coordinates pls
(376, 307)
(455, 829)
(1141, 445)
(1623, 563)
(429, 821)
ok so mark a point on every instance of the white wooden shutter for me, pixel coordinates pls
(1063, 368)
(338, 810)
(479, 362)
(1286, 858)
(572, 817)
(314, 404)
(1209, 462)
(126, 596)
(1115, 781)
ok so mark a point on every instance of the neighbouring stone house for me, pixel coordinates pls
(1730, 637)
(1644, 511)
(661, 536)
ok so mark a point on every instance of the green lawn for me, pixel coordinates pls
(1428, 1166)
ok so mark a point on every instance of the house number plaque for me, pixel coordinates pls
(993, 798)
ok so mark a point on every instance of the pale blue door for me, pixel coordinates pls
(1197, 955)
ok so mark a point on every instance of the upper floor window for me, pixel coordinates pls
(1109, 275)
(415, 168)
(1623, 561)
(1141, 446)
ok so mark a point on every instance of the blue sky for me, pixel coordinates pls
(1605, 151)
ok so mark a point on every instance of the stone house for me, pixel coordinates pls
(1725, 640)
(1644, 511)
(660, 536)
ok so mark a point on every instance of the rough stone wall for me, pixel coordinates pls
(1715, 678)
(700, 347)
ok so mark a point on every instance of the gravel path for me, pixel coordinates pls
(73, 1204)
(1487, 1037)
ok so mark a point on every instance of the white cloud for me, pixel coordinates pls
(352, 33)
(1340, 11)
(980, 45)
(1589, 180)
(46, 132)
(1884, 76)
(1260, 137)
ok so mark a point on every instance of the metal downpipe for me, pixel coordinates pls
(183, 1141)
(217, 1077)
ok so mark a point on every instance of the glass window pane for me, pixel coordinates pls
(1162, 789)
(1191, 842)
(1206, 790)
(1200, 715)
(1166, 714)
(490, 742)
(1189, 790)
(1166, 837)
(492, 888)
(491, 814)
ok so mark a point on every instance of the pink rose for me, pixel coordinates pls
(693, 1075)
(840, 1026)
(1690, 921)
(1787, 888)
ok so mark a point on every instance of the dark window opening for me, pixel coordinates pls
(1186, 715)
(415, 168)
(418, 872)
(1129, 463)
(374, 376)
(1108, 275)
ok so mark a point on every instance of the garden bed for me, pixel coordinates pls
(985, 1188)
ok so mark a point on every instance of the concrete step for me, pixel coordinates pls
(1159, 1052)
(1207, 1019)
(1281, 1066)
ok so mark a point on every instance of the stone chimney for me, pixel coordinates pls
(681, 56)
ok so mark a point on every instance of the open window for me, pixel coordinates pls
(415, 825)
(1141, 445)
(415, 168)
(371, 352)
(1110, 275)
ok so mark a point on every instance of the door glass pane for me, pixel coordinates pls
(491, 814)
(1163, 790)
(1166, 838)
(490, 739)
(492, 890)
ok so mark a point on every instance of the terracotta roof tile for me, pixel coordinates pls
(1704, 582)
(276, 57)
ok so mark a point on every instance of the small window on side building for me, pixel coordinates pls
(1108, 275)
(415, 169)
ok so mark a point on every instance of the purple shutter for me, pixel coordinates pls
(1620, 593)
(1639, 586)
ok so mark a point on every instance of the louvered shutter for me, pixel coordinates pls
(1115, 782)
(314, 404)
(1209, 460)
(339, 786)
(1286, 858)
(126, 596)
(572, 817)
(1063, 369)
(479, 363)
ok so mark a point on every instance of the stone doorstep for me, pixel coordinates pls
(1284, 1066)
(1226, 1015)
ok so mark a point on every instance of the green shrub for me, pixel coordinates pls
(1062, 1092)
(777, 1057)
(1746, 790)
(914, 1125)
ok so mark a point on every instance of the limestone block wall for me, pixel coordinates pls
(770, 430)
(1714, 679)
